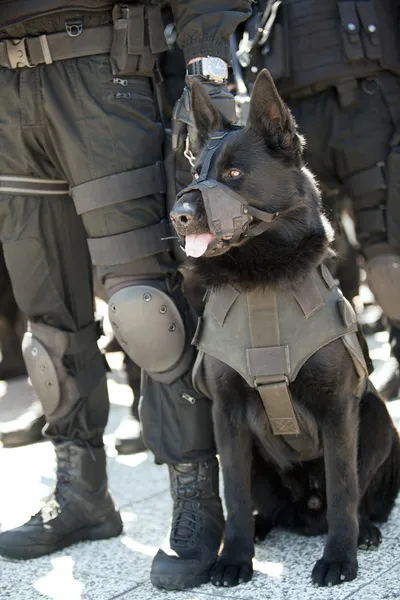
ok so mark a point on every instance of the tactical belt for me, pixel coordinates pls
(45, 49)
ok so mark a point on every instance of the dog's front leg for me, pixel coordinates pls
(234, 445)
(339, 436)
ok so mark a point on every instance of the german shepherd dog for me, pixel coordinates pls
(354, 477)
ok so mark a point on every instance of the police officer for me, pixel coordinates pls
(78, 114)
(338, 68)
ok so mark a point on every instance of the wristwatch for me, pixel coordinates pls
(212, 68)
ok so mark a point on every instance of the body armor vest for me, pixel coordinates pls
(268, 335)
(322, 44)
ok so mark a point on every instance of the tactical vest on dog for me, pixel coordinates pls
(268, 335)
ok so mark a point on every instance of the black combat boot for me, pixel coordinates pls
(79, 509)
(196, 529)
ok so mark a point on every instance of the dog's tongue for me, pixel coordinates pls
(196, 245)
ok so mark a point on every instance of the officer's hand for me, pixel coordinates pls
(182, 118)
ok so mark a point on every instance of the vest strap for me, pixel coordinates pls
(277, 402)
(269, 362)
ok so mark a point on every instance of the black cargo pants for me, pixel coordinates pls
(356, 149)
(72, 120)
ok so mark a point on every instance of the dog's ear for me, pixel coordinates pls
(266, 106)
(206, 116)
(270, 117)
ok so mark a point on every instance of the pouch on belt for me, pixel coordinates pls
(138, 36)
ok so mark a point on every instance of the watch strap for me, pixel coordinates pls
(195, 68)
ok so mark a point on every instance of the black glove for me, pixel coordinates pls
(182, 117)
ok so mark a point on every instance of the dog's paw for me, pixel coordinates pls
(369, 536)
(228, 573)
(328, 573)
(262, 527)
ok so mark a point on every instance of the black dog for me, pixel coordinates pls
(350, 475)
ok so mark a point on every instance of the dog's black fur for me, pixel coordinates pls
(357, 478)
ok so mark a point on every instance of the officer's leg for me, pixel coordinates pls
(11, 328)
(374, 189)
(47, 258)
(128, 435)
(118, 187)
(27, 422)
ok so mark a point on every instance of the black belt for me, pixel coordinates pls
(45, 49)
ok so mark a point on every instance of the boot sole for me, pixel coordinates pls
(179, 582)
(109, 529)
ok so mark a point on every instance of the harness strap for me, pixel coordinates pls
(269, 363)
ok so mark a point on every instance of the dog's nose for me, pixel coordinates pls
(183, 213)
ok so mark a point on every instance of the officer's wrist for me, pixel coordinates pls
(192, 60)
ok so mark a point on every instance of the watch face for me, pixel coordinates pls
(215, 68)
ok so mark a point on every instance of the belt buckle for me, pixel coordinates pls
(17, 53)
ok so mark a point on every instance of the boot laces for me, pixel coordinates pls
(188, 519)
(53, 505)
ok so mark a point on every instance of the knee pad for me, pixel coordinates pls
(151, 330)
(45, 350)
(383, 275)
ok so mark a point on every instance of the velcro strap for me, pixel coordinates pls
(370, 221)
(279, 408)
(126, 247)
(120, 187)
(156, 29)
(71, 343)
(32, 51)
(136, 27)
(309, 297)
(347, 92)
(366, 181)
(269, 363)
(265, 362)
(78, 342)
(33, 186)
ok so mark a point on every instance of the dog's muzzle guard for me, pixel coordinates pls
(228, 213)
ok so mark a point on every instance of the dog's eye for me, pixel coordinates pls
(232, 173)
